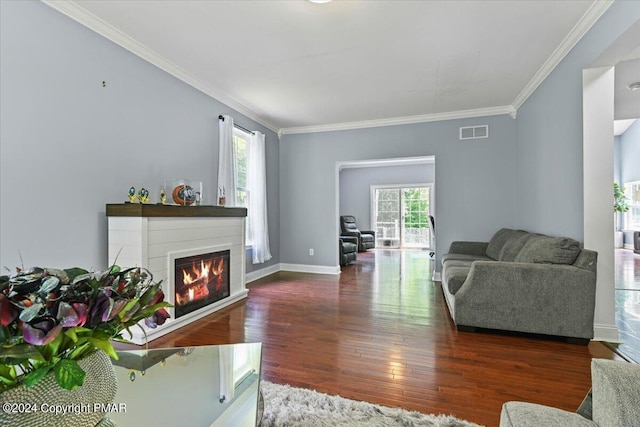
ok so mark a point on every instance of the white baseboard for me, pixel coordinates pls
(607, 333)
(628, 246)
(263, 272)
(317, 269)
(298, 268)
(436, 276)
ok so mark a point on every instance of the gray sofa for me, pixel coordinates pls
(614, 402)
(521, 281)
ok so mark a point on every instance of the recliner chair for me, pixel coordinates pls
(348, 227)
(348, 247)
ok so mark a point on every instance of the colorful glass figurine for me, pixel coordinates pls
(132, 195)
(143, 195)
(163, 196)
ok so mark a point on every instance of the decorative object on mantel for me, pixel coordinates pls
(184, 192)
(143, 195)
(163, 196)
(221, 197)
(132, 194)
(52, 320)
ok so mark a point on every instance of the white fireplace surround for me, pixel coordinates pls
(154, 243)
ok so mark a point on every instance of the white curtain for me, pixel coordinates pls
(226, 161)
(227, 383)
(257, 185)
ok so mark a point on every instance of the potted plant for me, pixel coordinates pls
(56, 330)
(620, 205)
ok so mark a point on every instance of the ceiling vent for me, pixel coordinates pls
(474, 132)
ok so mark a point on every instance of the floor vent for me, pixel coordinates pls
(474, 132)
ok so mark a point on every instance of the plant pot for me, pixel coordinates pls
(37, 406)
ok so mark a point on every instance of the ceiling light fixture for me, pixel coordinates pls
(319, 1)
(634, 86)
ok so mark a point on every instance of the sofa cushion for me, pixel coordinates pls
(549, 250)
(498, 241)
(463, 257)
(454, 277)
(521, 414)
(514, 245)
(616, 393)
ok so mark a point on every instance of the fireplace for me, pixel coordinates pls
(156, 236)
(199, 280)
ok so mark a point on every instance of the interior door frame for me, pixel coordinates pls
(373, 208)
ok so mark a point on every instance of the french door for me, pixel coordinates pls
(401, 215)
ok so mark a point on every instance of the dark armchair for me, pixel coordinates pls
(348, 247)
(348, 227)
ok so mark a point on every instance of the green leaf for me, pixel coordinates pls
(21, 351)
(73, 272)
(32, 378)
(105, 346)
(81, 348)
(8, 375)
(71, 333)
(69, 374)
(52, 348)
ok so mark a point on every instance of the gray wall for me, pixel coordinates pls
(355, 186)
(549, 134)
(69, 145)
(475, 179)
(630, 154)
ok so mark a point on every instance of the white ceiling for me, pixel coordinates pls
(295, 65)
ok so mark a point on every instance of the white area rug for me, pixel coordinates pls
(286, 406)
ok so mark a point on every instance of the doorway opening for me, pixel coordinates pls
(400, 215)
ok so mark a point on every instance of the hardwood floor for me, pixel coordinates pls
(381, 332)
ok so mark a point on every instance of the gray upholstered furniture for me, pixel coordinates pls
(615, 402)
(348, 227)
(348, 248)
(523, 282)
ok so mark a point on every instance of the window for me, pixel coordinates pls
(246, 361)
(240, 145)
(632, 218)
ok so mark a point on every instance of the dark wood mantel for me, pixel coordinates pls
(149, 210)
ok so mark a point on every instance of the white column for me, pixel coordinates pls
(597, 112)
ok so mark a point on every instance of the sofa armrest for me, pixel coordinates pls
(616, 392)
(373, 233)
(521, 414)
(468, 248)
(350, 239)
(538, 298)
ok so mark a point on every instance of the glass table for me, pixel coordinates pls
(195, 386)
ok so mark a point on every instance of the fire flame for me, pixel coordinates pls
(198, 274)
(198, 278)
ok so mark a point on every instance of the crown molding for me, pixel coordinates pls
(590, 17)
(76, 12)
(463, 114)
